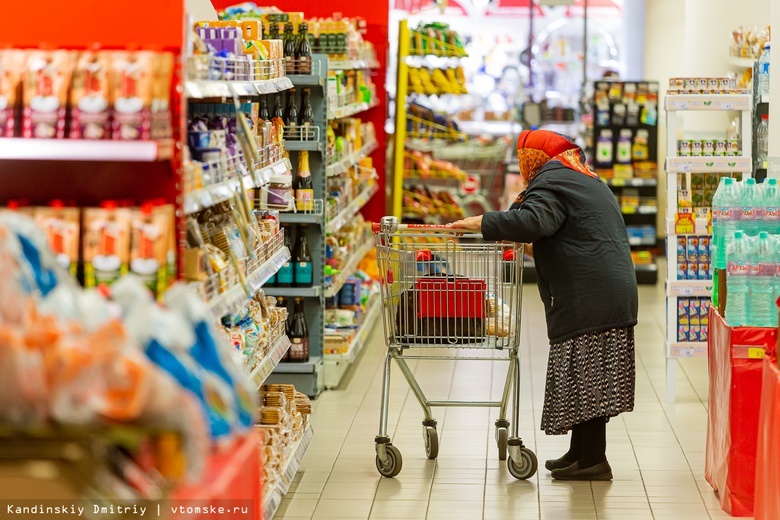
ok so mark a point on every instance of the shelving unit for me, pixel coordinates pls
(680, 170)
(273, 497)
(611, 116)
(342, 217)
(337, 364)
(17, 149)
(349, 268)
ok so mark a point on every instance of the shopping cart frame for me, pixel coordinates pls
(391, 248)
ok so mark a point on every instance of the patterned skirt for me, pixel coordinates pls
(589, 376)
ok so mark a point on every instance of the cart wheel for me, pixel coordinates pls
(393, 465)
(501, 440)
(526, 467)
(431, 437)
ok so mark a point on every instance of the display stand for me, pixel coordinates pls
(680, 171)
(767, 502)
(735, 363)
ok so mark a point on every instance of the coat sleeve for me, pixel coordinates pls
(540, 215)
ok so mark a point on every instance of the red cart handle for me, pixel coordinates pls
(377, 227)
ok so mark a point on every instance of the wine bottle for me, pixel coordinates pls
(273, 31)
(291, 116)
(284, 277)
(303, 51)
(304, 272)
(264, 114)
(306, 117)
(304, 187)
(299, 334)
(289, 47)
(278, 108)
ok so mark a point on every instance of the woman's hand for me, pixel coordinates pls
(473, 224)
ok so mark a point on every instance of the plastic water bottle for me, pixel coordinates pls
(763, 261)
(770, 214)
(763, 71)
(762, 141)
(726, 204)
(752, 203)
(738, 280)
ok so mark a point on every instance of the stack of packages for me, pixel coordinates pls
(118, 95)
(256, 329)
(69, 356)
(283, 419)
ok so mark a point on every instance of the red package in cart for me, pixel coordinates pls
(449, 297)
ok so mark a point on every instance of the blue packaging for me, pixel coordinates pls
(692, 250)
(682, 270)
(349, 296)
(693, 271)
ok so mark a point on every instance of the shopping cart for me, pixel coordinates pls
(461, 293)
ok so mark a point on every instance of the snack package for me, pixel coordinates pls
(106, 244)
(47, 76)
(11, 64)
(90, 97)
(63, 228)
(161, 127)
(149, 239)
(132, 80)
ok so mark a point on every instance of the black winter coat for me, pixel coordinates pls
(583, 260)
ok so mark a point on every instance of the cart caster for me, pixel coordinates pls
(525, 468)
(501, 439)
(431, 437)
(392, 466)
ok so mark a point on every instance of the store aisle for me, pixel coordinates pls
(656, 452)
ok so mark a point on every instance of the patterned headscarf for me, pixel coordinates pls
(535, 148)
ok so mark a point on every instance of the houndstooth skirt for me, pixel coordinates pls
(589, 376)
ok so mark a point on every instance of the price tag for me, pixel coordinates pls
(686, 167)
(281, 168)
(728, 105)
(678, 105)
(756, 353)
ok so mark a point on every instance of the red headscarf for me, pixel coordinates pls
(535, 148)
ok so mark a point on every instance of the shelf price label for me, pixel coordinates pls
(755, 353)
(678, 105)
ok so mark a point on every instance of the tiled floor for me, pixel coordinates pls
(656, 452)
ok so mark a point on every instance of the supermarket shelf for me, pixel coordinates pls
(344, 164)
(13, 148)
(207, 89)
(356, 345)
(294, 292)
(639, 210)
(297, 146)
(349, 269)
(351, 109)
(708, 102)
(708, 164)
(634, 182)
(641, 241)
(352, 208)
(236, 297)
(689, 288)
(687, 349)
(273, 499)
(270, 361)
(306, 80)
(208, 196)
(308, 217)
(299, 368)
(353, 64)
(743, 63)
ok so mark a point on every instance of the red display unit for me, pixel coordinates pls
(767, 503)
(736, 366)
(376, 16)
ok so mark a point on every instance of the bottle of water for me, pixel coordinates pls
(738, 280)
(762, 142)
(770, 214)
(763, 71)
(752, 203)
(726, 212)
(763, 261)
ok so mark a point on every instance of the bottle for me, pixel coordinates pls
(284, 276)
(725, 213)
(303, 270)
(763, 264)
(273, 31)
(738, 280)
(291, 115)
(278, 108)
(289, 48)
(763, 71)
(762, 142)
(304, 187)
(306, 117)
(624, 147)
(604, 148)
(771, 207)
(264, 114)
(299, 334)
(751, 206)
(303, 50)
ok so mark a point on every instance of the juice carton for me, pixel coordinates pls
(692, 250)
(693, 312)
(682, 270)
(704, 249)
(681, 249)
(693, 271)
(704, 271)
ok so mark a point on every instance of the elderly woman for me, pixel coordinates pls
(587, 282)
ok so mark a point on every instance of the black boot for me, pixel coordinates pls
(592, 464)
(572, 456)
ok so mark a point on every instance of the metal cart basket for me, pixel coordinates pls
(458, 293)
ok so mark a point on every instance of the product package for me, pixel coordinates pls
(106, 244)
(63, 228)
(11, 64)
(90, 97)
(47, 76)
(132, 91)
(149, 246)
